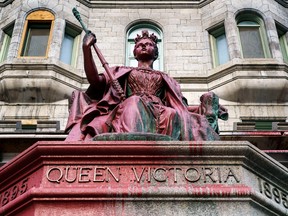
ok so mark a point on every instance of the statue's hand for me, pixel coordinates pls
(89, 39)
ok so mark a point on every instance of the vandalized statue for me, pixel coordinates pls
(152, 101)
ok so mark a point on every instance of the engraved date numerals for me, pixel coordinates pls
(13, 192)
(273, 193)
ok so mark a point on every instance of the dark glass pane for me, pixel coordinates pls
(251, 42)
(262, 125)
(36, 40)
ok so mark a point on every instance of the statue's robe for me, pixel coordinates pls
(94, 112)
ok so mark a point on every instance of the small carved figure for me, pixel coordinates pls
(153, 102)
(211, 109)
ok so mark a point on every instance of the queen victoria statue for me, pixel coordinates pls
(148, 102)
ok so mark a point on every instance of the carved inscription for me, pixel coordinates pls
(273, 193)
(191, 174)
(83, 174)
(105, 174)
(13, 192)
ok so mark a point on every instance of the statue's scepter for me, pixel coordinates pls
(116, 85)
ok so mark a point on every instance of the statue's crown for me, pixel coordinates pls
(145, 34)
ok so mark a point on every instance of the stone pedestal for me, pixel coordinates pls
(143, 178)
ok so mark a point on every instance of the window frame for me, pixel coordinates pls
(213, 35)
(253, 17)
(7, 37)
(37, 17)
(147, 26)
(283, 43)
(74, 32)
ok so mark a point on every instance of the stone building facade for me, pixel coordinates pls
(237, 49)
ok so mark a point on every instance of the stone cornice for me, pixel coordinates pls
(144, 4)
(247, 82)
(182, 80)
(50, 77)
(154, 3)
(52, 67)
(234, 68)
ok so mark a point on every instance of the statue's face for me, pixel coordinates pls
(144, 50)
(210, 108)
(213, 120)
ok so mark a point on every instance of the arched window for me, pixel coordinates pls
(253, 36)
(132, 33)
(37, 34)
